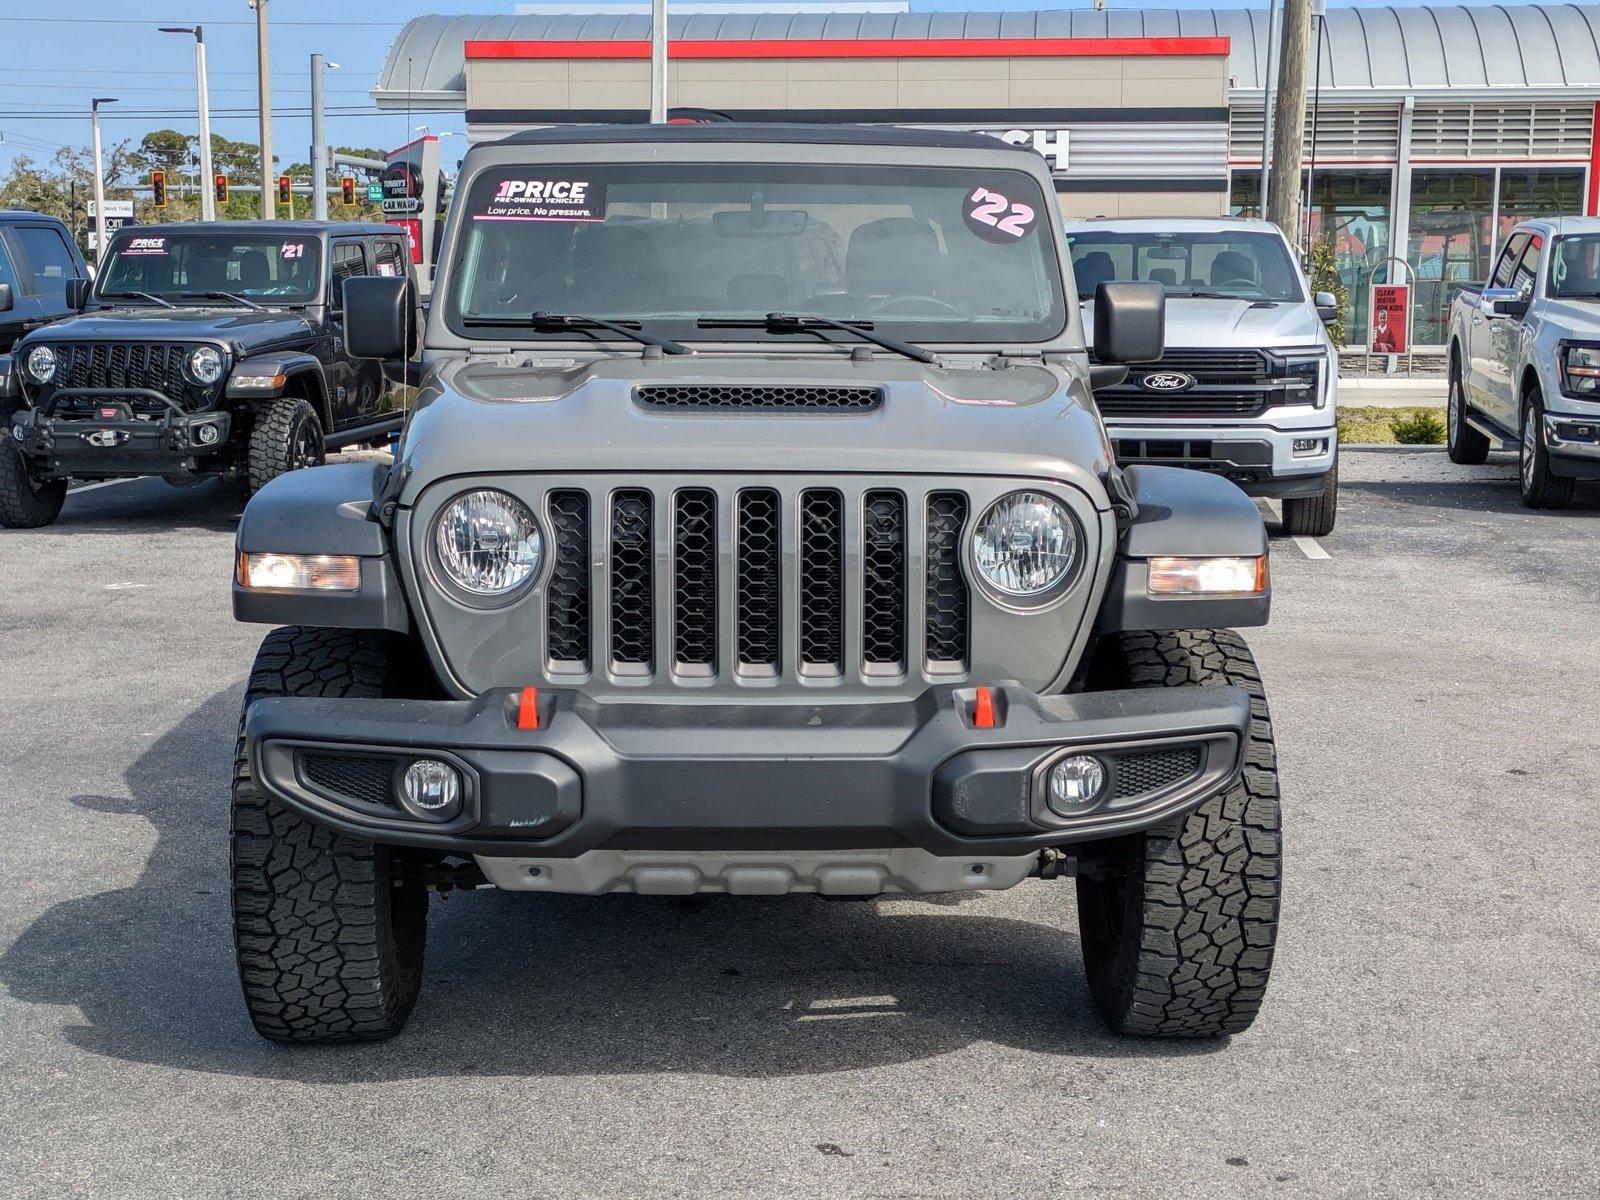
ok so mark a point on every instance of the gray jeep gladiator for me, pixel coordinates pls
(755, 531)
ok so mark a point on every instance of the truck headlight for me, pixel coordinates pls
(1580, 371)
(41, 364)
(487, 542)
(205, 365)
(1302, 376)
(1025, 544)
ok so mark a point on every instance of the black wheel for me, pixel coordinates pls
(25, 501)
(1314, 516)
(286, 437)
(329, 930)
(1540, 488)
(1179, 925)
(1464, 444)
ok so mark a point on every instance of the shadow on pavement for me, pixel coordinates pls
(548, 985)
(146, 506)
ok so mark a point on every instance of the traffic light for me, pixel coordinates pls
(158, 188)
(349, 186)
(220, 182)
(283, 189)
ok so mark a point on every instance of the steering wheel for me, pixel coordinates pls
(895, 302)
(1246, 286)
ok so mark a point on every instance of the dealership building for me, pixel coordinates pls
(1435, 129)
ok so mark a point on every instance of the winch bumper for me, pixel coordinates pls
(950, 773)
(110, 441)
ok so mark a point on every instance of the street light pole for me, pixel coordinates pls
(99, 179)
(319, 145)
(208, 201)
(269, 209)
(658, 62)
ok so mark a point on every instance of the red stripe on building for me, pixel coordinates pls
(1593, 208)
(866, 48)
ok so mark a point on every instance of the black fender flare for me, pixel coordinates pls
(1184, 514)
(292, 365)
(324, 511)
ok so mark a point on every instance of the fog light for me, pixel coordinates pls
(1309, 446)
(432, 788)
(1074, 783)
(208, 434)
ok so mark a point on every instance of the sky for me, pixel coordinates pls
(54, 58)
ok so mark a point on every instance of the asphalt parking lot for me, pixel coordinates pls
(1430, 1030)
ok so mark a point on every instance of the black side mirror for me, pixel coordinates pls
(377, 316)
(1130, 322)
(78, 291)
(1327, 305)
(6, 298)
(1515, 309)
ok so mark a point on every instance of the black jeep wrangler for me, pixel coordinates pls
(201, 350)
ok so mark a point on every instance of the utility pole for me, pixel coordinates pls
(1288, 139)
(658, 62)
(269, 209)
(208, 203)
(319, 145)
(99, 179)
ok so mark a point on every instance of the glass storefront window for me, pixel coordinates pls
(1348, 207)
(1452, 242)
(1528, 192)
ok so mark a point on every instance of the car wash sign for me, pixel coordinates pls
(1050, 143)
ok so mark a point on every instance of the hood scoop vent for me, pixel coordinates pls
(758, 397)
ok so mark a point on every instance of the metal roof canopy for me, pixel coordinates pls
(1365, 50)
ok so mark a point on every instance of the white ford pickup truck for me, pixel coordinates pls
(1525, 359)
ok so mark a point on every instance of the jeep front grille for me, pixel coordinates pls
(698, 583)
(753, 396)
(156, 366)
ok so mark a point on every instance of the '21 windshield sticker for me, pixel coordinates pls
(546, 200)
(995, 217)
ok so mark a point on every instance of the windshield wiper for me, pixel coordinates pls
(811, 322)
(552, 321)
(245, 300)
(137, 296)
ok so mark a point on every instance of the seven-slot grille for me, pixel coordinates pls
(157, 366)
(699, 581)
(1227, 383)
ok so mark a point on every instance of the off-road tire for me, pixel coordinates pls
(1540, 487)
(1179, 923)
(25, 502)
(1314, 516)
(328, 929)
(1463, 443)
(287, 435)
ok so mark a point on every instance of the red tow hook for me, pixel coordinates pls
(983, 710)
(528, 708)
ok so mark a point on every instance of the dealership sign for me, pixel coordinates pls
(1050, 142)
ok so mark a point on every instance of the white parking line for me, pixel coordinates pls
(89, 487)
(1311, 548)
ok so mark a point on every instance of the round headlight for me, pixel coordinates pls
(488, 542)
(205, 365)
(1025, 544)
(41, 364)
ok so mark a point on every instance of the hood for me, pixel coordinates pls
(1027, 420)
(232, 326)
(1225, 324)
(1579, 316)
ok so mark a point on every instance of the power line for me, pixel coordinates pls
(195, 21)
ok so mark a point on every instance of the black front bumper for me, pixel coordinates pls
(681, 776)
(118, 443)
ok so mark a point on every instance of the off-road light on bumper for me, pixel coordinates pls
(1208, 576)
(431, 789)
(1074, 784)
(207, 435)
(300, 572)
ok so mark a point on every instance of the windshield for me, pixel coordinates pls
(924, 254)
(1233, 264)
(1575, 267)
(266, 268)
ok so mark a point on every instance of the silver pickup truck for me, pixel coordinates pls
(1525, 359)
(1247, 387)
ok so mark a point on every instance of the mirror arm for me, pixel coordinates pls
(1106, 375)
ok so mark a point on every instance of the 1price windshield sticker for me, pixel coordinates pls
(995, 217)
(145, 245)
(546, 200)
